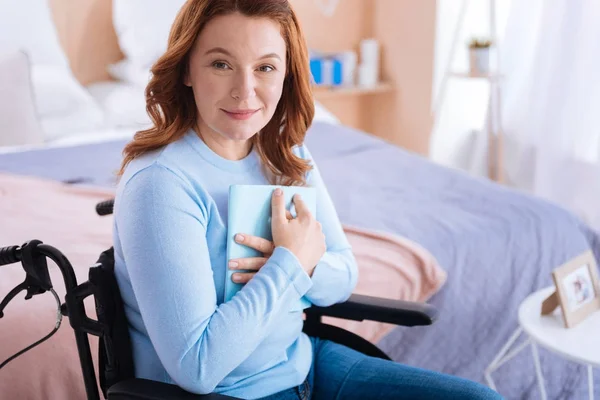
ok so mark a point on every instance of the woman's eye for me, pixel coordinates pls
(220, 65)
(266, 68)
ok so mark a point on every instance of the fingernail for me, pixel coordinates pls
(233, 264)
(278, 192)
(298, 196)
(239, 238)
(235, 277)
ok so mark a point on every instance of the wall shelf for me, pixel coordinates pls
(328, 92)
(491, 76)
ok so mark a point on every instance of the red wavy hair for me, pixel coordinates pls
(172, 109)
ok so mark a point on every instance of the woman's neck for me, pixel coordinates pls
(229, 149)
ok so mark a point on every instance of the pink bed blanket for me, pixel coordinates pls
(64, 217)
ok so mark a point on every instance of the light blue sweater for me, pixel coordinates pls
(170, 262)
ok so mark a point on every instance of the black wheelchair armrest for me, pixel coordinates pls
(359, 307)
(143, 389)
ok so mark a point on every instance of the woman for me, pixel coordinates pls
(231, 102)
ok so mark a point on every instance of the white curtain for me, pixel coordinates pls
(456, 140)
(551, 102)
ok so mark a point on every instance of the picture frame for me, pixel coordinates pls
(577, 289)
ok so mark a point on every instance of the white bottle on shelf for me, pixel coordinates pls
(368, 71)
(348, 59)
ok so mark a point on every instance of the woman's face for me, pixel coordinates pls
(236, 70)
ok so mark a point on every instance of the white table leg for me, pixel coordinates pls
(590, 382)
(538, 370)
(500, 357)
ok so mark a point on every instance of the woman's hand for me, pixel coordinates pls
(302, 235)
(252, 264)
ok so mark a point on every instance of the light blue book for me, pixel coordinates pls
(250, 213)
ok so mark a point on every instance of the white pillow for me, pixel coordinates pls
(58, 92)
(27, 25)
(75, 124)
(324, 115)
(123, 104)
(64, 106)
(143, 27)
(126, 71)
(18, 122)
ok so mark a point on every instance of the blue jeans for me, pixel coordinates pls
(339, 372)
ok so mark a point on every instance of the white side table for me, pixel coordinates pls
(580, 344)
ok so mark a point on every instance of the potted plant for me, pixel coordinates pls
(479, 55)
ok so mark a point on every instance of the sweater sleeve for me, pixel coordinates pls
(336, 274)
(162, 223)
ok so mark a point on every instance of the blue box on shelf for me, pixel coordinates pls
(326, 71)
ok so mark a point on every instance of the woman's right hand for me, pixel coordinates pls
(301, 235)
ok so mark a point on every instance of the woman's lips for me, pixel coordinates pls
(240, 115)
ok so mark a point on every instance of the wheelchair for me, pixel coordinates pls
(116, 368)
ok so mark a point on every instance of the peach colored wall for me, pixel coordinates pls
(86, 33)
(406, 30)
(352, 21)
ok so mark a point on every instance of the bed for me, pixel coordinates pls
(496, 245)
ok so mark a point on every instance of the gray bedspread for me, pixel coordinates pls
(496, 244)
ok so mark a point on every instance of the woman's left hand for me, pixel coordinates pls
(253, 264)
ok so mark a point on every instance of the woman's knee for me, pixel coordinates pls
(414, 382)
(348, 374)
